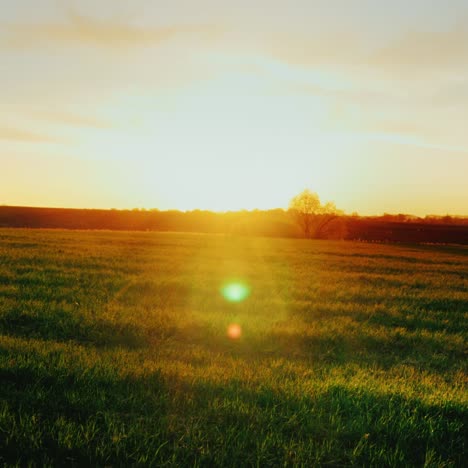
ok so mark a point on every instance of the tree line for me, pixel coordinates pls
(317, 221)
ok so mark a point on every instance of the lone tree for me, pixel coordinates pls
(313, 218)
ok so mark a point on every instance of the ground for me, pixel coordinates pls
(117, 349)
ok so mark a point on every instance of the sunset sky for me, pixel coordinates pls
(225, 105)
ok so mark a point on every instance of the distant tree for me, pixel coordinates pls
(314, 219)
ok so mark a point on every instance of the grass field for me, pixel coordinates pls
(114, 351)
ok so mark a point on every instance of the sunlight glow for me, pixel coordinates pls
(235, 292)
(191, 107)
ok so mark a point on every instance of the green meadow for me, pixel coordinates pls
(114, 351)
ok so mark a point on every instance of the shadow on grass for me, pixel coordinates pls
(338, 426)
(69, 415)
(439, 248)
(369, 346)
(412, 313)
(61, 325)
(385, 350)
(406, 259)
(381, 340)
(418, 321)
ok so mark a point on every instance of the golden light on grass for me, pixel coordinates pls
(235, 291)
(234, 331)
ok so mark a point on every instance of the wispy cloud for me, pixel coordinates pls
(399, 132)
(315, 49)
(418, 51)
(72, 119)
(424, 51)
(19, 135)
(79, 29)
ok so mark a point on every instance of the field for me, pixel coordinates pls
(114, 351)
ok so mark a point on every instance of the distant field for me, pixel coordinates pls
(114, 352)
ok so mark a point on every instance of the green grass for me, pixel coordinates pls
(113, 351)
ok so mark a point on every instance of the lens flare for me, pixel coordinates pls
(235, 292)
(234, 331)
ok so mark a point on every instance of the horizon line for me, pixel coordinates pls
(248, 210)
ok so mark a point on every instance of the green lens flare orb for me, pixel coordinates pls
(235, 291)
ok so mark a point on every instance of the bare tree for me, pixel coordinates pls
(313, 218)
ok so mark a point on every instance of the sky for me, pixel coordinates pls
(225, 105)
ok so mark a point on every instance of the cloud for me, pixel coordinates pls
(72, 119)
(315, 49)
(425, 51)
(15, 134)
(412, 53)
(79, 29)
(411, 120)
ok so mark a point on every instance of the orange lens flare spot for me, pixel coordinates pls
(234, 331)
